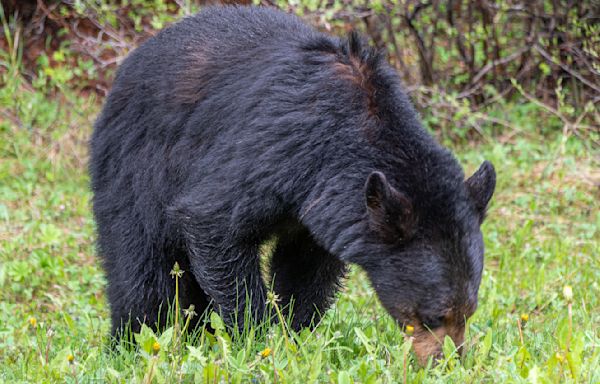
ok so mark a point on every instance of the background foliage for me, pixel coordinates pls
(456, 56)
(514, 82)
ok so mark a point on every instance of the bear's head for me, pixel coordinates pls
(427, 256)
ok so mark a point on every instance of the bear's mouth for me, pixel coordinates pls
(428, 342)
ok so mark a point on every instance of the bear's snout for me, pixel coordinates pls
(428, 343)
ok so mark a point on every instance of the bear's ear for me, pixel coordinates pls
(481, 187)
(377, 190)
(390, 211)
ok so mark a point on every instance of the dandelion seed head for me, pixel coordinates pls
(568, 293)
(272, 298)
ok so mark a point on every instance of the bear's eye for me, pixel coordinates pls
(433, 322)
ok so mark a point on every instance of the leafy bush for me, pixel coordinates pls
(458, 58)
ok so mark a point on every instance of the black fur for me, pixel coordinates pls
(238, 124)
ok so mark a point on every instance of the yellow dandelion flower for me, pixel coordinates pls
(265, 352)
(155, 347)
(524, 317)
(33, 322)
(409, 330)
(70, 358)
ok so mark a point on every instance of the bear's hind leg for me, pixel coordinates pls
(137, 297)
(144, 293)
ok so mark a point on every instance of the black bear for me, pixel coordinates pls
(241, 124)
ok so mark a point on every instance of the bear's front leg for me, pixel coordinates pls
(224, 262)
(305, 276)
(230, 274)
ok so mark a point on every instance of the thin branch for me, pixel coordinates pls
(566, 68)
(426, 67)
(489, 66)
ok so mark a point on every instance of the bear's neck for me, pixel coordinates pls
(335, 213)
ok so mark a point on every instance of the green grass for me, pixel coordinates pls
(542, 234)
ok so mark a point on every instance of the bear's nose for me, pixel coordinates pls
(428, 343)
(435, 355)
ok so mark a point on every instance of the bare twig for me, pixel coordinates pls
(566, 68)
(488, 67)
(425, 64)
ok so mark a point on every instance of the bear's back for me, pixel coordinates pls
(215, 37)
(158, 110)
(168, 75)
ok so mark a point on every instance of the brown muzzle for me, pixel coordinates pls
(428, 343)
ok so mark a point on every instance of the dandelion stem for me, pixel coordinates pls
(176, 273)
(404, 366)
(150, 375)
(274, 369)
(520, 327)
(176, 300)
(281, 320)
(74, 373)
(569, 334)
